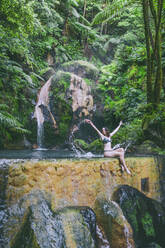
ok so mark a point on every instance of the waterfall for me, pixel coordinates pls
(43, 100)
(103, 242)
(75, 148)
(127, 235)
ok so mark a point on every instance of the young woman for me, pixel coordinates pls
(108, 150)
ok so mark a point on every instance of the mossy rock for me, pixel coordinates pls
(145, 215)
(61, 109)
(25, 237)
(61, 76)
(47, 73)
(81, 68)
(111, 218)
(31, 223)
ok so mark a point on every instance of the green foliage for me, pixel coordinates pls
(33, 31)
(81, 143)
(9, 124)
(110, 11)
(63, 129)
(17, 16)
(96, 146)
(129, 133)
(132, 214)
(122, 82)
(148, 225)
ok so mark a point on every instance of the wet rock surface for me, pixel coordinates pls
(81, 68)
(145, 215)
(32, 223)
(116, 228)
(56, 203)
(79, 182)
(69, 95)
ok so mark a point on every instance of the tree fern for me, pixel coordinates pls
(111, 11)
(3, 107)
(9, 121)
(84, 20)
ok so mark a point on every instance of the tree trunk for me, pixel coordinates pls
(85, 5)
(158, 79)
(159, 76)
(145, 4)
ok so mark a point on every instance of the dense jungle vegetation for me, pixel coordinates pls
(125, 39)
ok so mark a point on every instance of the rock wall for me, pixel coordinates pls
(73, 192)
(65, 100)
(81, 182)
(146, 216)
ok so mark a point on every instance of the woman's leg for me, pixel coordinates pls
(122, 160)
(118, 153)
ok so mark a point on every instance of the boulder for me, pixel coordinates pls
(116, 228)
(81, 68)
(31, 223)
(146, 216)
(70, 99)
(72, 90)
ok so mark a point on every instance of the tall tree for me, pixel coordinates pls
(152, 15)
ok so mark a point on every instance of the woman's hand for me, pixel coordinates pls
(120, 123)
(88, 121)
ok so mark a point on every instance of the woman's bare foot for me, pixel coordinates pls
(128, 171)
(122, 168)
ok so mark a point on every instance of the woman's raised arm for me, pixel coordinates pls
(91, 123)
(115, 131)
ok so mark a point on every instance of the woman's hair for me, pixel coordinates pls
(107, 131)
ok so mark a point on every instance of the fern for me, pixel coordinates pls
(84, 20)
(9, 121)
(83, 27)
(74, 12)
(20, 130)
(72, 2)
(111, 11)
(3, 107)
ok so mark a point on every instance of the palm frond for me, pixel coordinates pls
(11, 122)
(84, 20)
(8, 120)
(20, 130)
(74, 12)
(73, 3)
(111, 11)
(84, 27)
(3, 106)
(37, 76)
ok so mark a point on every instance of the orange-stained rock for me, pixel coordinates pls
(115, 226)
(81, 182)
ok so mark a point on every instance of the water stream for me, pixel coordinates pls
(103, 242)
(43, 100)
(74, 147)
(45, 154)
